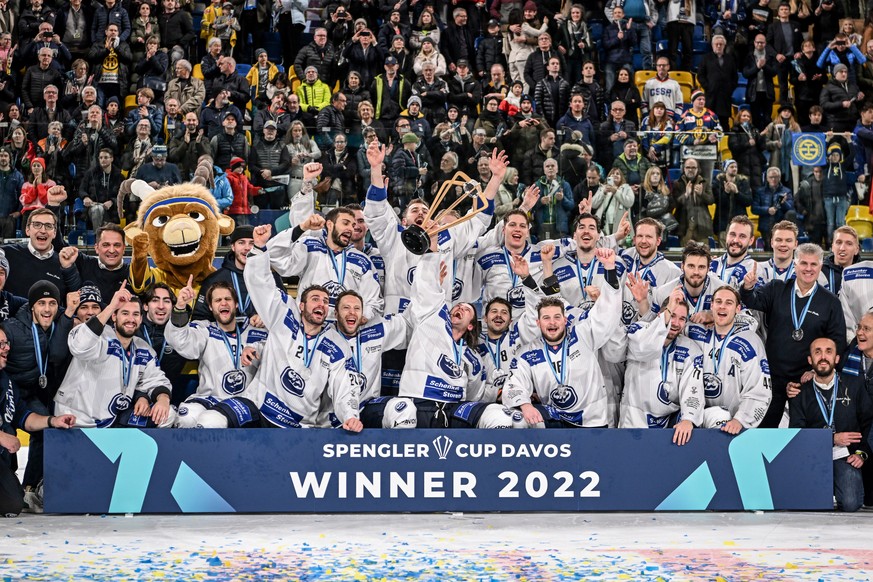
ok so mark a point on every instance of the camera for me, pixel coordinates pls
(365, 33)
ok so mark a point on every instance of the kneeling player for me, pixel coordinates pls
(736, 375)
(114, 378)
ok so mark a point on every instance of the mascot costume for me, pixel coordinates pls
(179, 228)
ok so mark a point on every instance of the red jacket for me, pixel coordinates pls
(243, 190)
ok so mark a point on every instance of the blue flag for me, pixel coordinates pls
(809, 149)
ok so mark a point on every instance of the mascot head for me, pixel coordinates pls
(182, 223)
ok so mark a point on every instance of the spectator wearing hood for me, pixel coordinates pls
(837, 190)
(464, 90)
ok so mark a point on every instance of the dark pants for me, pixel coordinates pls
(290, 35)
(11, 493)
(777, 402)
(784, 70)
(848, 486)
(680, 32)
(762, 111)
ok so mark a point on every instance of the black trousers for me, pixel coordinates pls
(11, 492)
(777, 403)
(680, 32)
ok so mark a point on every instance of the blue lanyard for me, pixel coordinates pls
(724, 266)
(459, 348)
(236, 288)
(718, 355)
(589, 274)
(638, 264)
(41, 361)
(495, 355)
(828, 418)
(788, 272)
(234, 355)
(666, 352)
(546, 351)
(696, 303)
(358, 364)
(340, 270)
(159, 354)
(799, 323)
(307, 353)
(831, 281)
(512, 276)
(126, 366)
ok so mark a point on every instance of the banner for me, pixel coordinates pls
(318, 471)
(809, 149)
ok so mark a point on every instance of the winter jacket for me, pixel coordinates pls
(185, 155)
(837, 117)
(535, 67)
(729, 205)
(323, 59)
(313, 96)
(221, 190)
(765, 198)
(552, 96)
(619, 51)
(190, 93)
(226, 146)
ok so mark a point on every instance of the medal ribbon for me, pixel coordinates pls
(666, 352)
(495, 354)
(159, 353)
(247, 303)
(307, 353)
(718, 355)
(546, 351)
(41, 361)
(589, 274)
(126, 366)
(234, 356)
(828, 417)
(798, 323)
(697, 303)
(340, 269)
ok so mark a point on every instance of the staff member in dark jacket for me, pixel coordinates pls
(717, 75)
(841, 403)
(797, 311)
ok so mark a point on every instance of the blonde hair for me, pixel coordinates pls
(660, 188)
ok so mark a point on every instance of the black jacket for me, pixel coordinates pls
(750, 72)
(22, 365)
(552, 97)
(727, 206)
(535, 66)
(107, 281)
(28, 269)
(228, 273)
(322, 59)
(718, 83)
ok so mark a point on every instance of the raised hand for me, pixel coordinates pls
(638, 287)
(375, 154)
(261, 235)
(68, 256)
(314, 222)
(624, 226)
(497, 164)
(530, 197)
(120, 297)
(547, 252)
(520, 266)
(186, 294)
(311, 171)
(585, 205)
(751, 278)
(606, 258)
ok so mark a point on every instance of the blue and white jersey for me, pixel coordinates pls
(574, 275)
(437, 367)
(103, 376)
(856, 294)
(657, 272)
(661, 380)
(317, 264)
(385, 228)
(733, 273)
(699, 304)
(300, 379)
(378, 262)
(567, 377)
(736, 374)
(367, 346)
(221, 373)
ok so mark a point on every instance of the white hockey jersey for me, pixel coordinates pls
(574, 276)
(366, 347)
(734, 274)
(699, 304)
(659, 271)
(385, 229)
(856, 294)
(102, 377)
(315, 263)
(298, 376)
(437, 367)
(221, 373)
(736, 374)
(661, 380)
(566, 377)
(378, 263)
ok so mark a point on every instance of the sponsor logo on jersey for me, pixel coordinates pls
(564, 397)
(292, 382)
(233, 381)
(118, 404)
(449, 367)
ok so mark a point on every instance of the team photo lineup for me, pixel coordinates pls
(493, 214)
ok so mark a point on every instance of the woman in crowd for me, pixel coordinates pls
(303, 151)
(656, 135)
(626, 91)
(429, 54)
(426, 27)
(745, 145)
(612, 200)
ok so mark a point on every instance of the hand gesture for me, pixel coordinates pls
(497, 164)
(520, 266)
(606, 258)
(375, 154)
(530, 197)
(444, 271)
(186, 294)
(311, 170)
(845, 439)
(73, 299)
(585, 204)
(314, 222)
(676, 297)
(68, 256)
(751, 278)
(261, 235)
(638, 287)
(682, 432)
(593, 292)
(256, 321)
(547, 253)
(792, 389)
(624, 226)
(249, 355)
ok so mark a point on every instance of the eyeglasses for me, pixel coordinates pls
(5, 344)
(46, 226)
(864, 328)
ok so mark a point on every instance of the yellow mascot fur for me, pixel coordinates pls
(179, 228)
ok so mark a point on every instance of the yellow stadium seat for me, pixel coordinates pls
(684, 78)
(687, 90)
(129, 103)
(197, 73)
(754, 219)
(640, 77)
(723, 149)
(860, 219)
(294, 84)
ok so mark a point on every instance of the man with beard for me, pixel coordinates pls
(664, 374)
(306, 369)
(367, 340)
(217, 345)
(736, 374)
(845, 251)
(107, 270)
(797, 312)
(328, 261)
(696, 285)
(732, 266)
(561, 366)
(359, 237)
(157, 305)
(231, 272)
(443, 386)
(829, 401)
(644, 265)
(114, 379)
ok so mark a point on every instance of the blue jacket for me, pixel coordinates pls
(568, 125)
(561, 208)
(155, 117)
(619, 51)
(221, 190)
(10, 190)
(829, 58)
(765, 198)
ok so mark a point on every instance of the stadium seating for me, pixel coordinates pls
(860, 219)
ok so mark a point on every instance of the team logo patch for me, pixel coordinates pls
(292, 382)
(457, 289)
(663, 395)
(400, 406)
(118, 404)
(515, 296)
(333, 290)
(410, 275)
(233, 382)
(628, 312)
(564, 397)
(183, 411)
(451, 369)
(711, 385)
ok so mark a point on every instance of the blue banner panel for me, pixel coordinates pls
(300, 471)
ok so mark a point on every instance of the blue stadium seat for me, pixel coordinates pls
(699, 33)
(673, 174)
(243, 69)
(596, 30)
(662, 46)
(739, 96)
(700, 47)
(672, 241)
(638, 62)
(867, 244)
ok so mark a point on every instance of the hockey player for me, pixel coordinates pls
(845, 251)
(797, 312)
(832, 401)
(158, 306)
(328, 262)
(441, 386)
(736, 375)
(367, 340)
(305, 367)
(664, 374)
(386, 229)
(218, 346)
(359, 241)
(696, 285)
(561, 366)
(856, 292)
(645, 263)
(783, 239)
(732, 266)
(114, 379)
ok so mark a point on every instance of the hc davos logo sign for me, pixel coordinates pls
(442, 445)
